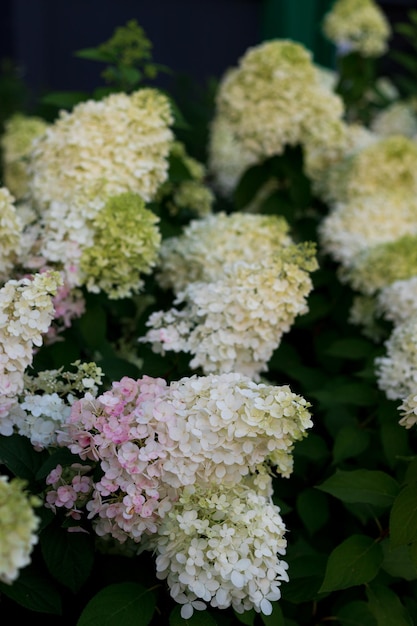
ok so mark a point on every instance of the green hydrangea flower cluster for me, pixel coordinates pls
(125, 245)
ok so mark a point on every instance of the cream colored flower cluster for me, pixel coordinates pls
(359, 26)
(18, 526)
(10, 233)
(275, 98)
(399, 118)
(230, 426)
(20, 132)
(376, 207)
(26, 311)
(44, 405)
(223, 548)
(186, 472)
(101, 150)
(121, 143)
(397, 369)
(237, 297)
(206, 244)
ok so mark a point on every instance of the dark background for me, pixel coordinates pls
(198, 39)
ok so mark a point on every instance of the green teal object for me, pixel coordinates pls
(301, 21)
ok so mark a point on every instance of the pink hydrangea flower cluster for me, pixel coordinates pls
(152, 439)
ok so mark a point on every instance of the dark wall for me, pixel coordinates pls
(199, 38)
(196, 38)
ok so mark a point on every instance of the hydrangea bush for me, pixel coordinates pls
(208, 370)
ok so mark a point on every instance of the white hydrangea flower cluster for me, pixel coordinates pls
(399, 118)
(20, 132)
(228, 158)
(359, 26)
(121, 141)
(10, 233)
(18, 526)
(26, 311)
(206, 245)
(38, 417)
(230, 426)
(397, 302)
(408, 411)
(275, 98)
(152, 440)
(396, 372)
(187, 474)
(222, 547)
(98, 151)
(376, 205)
(44, 406)
(238, 297)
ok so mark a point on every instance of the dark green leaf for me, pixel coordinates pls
(386, 606)
(350, 441)
(356, 613)
(247, 618)
(19, 456)
(358, 394)
(350, 348)
(355, 561)
(395, 442)
(313, 509)
(312, 447)
(64, 99)
(198, 618)
(62, 456)
(371, 487)
(276, 618)
(250, 183)
(121, 604)
(403, 517)
(93, 326)
(178, 171)
(34, 592)
(398, 561)
(69, 556)
(306, 575)
(93, 54)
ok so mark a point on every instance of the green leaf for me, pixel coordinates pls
(276, 618)
(93, 54)
(398, 561)
(69, 557)
(34, 592)
(350, 348)
(358, 394)
(62, 456)
(386, 606)
(395, 440)
(121, 604)
(371, 487)
(19, 456)
(312, 447)
(306, 574)
(355, 561)
(198, 618)
(64, 99)
(356, 613)
(313, 509)
(249, 184)
(93, 326)
(178, 171)
(247, 618)
(403, 517)
(350, 441)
